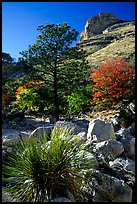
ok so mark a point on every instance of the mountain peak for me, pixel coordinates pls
(97, 24)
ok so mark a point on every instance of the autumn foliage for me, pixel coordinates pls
(29, 96)
(5, 100)
(113, 81)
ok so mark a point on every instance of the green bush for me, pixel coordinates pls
(28, 100)
(76, 102)
(32, 97)
(41, 169)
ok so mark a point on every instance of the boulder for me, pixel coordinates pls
(9, 136)
(109, 189)
(41, 131)
(111, 148)
(115, 122)
(122, 133)
(83, 123)
(123, 166)
(71, 126)
(129, 146)
(100, 130)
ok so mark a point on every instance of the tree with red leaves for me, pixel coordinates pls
(115, 80)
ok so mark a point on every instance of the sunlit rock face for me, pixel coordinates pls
(97, 24)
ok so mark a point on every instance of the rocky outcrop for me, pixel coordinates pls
(117, 25)
(110, 189)
(95, 25)
(105, 36)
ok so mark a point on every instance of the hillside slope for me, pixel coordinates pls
(116, 40)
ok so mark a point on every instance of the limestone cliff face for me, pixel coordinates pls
(97, 24)
(105, 36)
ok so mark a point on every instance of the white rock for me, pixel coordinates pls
(111, 148)
(100, 130)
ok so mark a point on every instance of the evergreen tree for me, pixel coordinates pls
(6, 58)
(53, 60)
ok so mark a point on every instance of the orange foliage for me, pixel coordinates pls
(21, 89)
(114, 79)
(5, 100)
(34, 82)
(28, 85)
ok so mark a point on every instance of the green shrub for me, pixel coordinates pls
(31, 96)
(76, 102)
(41, 169)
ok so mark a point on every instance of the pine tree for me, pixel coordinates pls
(53, 60)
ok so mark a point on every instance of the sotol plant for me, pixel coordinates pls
(40, 169)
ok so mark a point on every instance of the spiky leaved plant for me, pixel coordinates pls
(40, 169)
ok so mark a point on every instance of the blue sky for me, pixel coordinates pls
(20, 19)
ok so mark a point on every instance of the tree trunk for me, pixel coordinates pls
(56, 104)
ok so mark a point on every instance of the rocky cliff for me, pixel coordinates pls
(95, 25)
(105, 36)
